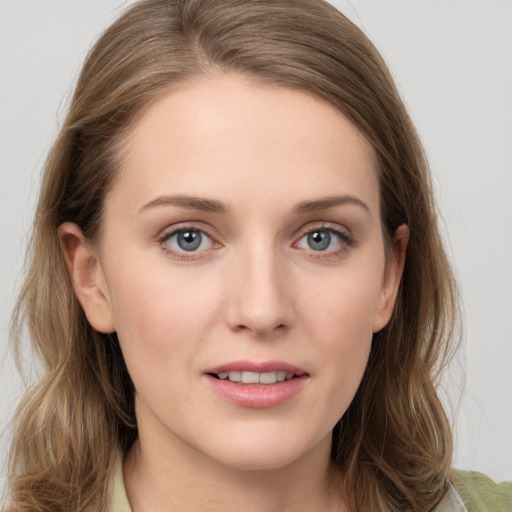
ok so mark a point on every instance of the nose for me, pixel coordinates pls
(259, 293)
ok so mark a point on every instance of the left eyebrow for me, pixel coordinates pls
(329, 202)
(189, 202)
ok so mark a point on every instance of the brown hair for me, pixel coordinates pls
(394, 443)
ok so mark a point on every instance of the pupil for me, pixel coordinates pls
(189, 240)
(319, 240)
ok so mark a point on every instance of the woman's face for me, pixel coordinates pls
(243, 241)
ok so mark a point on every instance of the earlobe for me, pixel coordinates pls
(87, 277)
(392, 277)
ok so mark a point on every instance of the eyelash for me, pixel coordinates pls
(183, 255)
(346, 241)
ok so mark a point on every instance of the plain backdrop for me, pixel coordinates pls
(452, 60)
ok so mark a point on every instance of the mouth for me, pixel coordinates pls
(248, 377)
(257, 385)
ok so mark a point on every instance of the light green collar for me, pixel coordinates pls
(119, 499)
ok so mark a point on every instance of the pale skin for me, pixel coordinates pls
(265, 176)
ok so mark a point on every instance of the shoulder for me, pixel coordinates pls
(481, 494)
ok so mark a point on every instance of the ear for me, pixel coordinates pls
(87, 277)
(392, 276)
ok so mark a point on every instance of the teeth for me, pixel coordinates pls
(235, 376)
(255, 377)
(268, 378)
(250, 378)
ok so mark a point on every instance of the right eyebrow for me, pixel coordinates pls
(189, 202)
(329, 202)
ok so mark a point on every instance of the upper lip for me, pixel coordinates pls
(258, 367)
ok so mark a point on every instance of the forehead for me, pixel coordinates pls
(234, 139)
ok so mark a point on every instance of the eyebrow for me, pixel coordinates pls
(215, 206)
(190, 202)
(329, 202)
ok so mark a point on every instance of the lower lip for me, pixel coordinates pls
(258, 396)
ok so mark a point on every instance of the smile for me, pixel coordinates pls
(256, 385)
(255, 377)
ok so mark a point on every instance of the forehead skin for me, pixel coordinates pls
(232, 127)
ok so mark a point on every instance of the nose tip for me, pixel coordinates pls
(259, 300)
(260, 322)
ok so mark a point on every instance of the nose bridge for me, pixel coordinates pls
(259, 291)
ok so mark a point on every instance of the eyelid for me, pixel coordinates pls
(344, 232)
(344, 235)
(177, 228)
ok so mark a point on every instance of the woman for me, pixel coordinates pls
(237, 282)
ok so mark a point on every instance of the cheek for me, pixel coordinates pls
(338, 317)
(161, 319)
(343, 304)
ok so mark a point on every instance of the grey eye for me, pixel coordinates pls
(319, 240)
(324, 240)
(189, 240)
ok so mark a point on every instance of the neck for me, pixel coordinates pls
(181, 479)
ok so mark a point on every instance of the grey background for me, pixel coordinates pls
(452, 60)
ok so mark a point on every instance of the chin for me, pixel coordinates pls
(259, 463)
(268, 453)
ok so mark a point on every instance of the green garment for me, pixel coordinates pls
(119, 499)
(478, 493)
